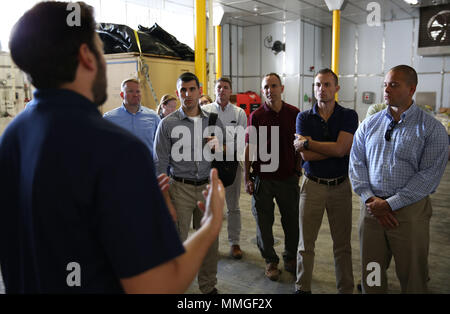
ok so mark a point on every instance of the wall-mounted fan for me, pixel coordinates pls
(438, 27)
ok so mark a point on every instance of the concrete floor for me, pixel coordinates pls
(246, 276)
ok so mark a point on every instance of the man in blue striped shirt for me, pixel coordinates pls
(132, 116)
(397, 159)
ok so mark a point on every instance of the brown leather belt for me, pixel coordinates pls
(329, 182)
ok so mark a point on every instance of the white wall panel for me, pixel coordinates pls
(318, 48)
(307, 90)
(240, 51)
(398, 36)
(430, 83)
(368, 84)
(447, 63)
(346, 49)
(251, 84)
(326, 48)
(428, 64)
(308, 47)
(370, 43)
(270, 61)
(240, 85)
(293, 58)
(252, 50)
(446, 95)
(226, 50)
(234, 50)
(291, 86)
(347, 91)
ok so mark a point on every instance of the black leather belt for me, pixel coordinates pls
(191, 182)
(329, 182)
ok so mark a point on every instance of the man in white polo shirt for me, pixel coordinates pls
(231, 117)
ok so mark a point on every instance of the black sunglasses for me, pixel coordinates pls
(387, 135)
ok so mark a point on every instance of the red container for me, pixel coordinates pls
(249, 101)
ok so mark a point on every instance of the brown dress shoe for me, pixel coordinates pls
(236, 252)
(272, 271)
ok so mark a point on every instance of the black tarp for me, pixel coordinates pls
(119, 38)
(183, 50)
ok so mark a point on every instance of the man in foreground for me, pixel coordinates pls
(67, 222)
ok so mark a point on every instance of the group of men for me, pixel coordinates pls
(80, 190)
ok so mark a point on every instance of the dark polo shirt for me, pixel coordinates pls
(285, 121)
(77, 190)
(310, 123)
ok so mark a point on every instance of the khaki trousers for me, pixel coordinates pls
(232, 195)
(408, 243)
(184, 198)
(337, 200)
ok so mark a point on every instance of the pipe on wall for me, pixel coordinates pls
(200, 43)
(218, 52)
(335, 43)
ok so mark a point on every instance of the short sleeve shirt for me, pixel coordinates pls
(310, 123)
(280, 147)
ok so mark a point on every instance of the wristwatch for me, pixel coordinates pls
(305, 144)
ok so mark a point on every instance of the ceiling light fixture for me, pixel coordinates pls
(412, 2)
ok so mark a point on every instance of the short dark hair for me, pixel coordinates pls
(274, 74)
(409, 72)
(187, 77)
(226, 80)
(46, 47)
(329, 71)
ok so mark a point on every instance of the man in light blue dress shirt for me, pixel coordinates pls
(397, 159)
(132, 116)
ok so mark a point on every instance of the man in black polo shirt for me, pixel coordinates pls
(81, 208)
(324, 139)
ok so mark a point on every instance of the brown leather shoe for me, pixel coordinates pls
(236, 251)
(291, 266)
(272, 271)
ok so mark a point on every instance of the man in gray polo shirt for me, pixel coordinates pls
(233, 117)
(179, 149)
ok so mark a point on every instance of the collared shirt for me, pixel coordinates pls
(310, 123)
(179, 145)
(142, 124)
(265, 120)
(232, 118)
(405, 169)
(71, 194)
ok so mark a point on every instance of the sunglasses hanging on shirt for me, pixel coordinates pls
(388, 134)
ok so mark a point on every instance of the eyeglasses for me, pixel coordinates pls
(387, 135)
